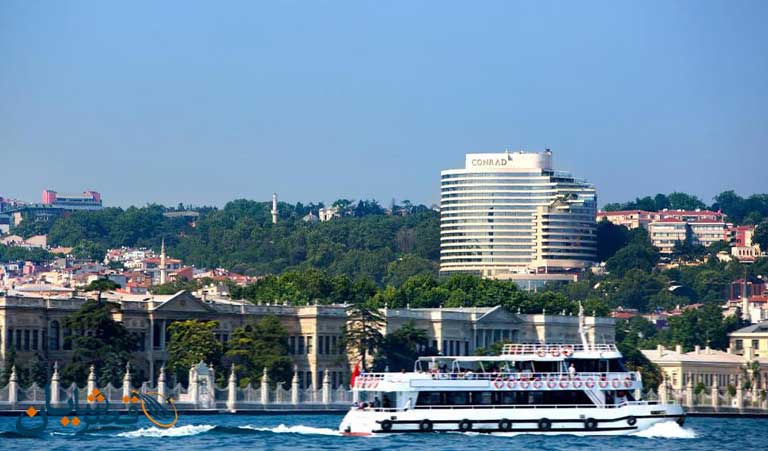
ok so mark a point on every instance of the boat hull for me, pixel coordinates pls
(541, 420)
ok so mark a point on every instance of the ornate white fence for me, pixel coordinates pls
(201, 393)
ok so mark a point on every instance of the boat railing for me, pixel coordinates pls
(554, 349)
(534, 376)
(587, 379)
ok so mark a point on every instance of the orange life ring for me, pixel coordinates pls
(563, 383)
(551, 383)
(615, 383)
(498, 383)
(603, 383)
(537, 384)
(555, 352)
(627, 382)
(524, 383)
(511, 383)
(541, 352)
(567, 350)
(589, 383)
(577, 382)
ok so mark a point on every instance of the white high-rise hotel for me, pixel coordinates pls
(510, 215)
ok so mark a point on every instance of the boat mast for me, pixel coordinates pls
(582, 327)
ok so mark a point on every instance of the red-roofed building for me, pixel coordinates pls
(185, 273)
(631, 219)
(667, 232)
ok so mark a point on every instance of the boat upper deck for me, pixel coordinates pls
(418, 381)
(556, 349)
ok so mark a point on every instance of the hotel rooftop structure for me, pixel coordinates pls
(510, 215)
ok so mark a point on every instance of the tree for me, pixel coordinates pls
(633, 256)
(400, 270)
(192, 342)
(761, 236)
(10, 362)
(684, 201)
(362, 332)
(610, 238)
(260, 345)
(100, 286)
(635, 289)
(631, 336)
(88, 250)
(688, 251)
(731, 204)
(702, 326)
(38, 370)
(400, 349)
(99, 341)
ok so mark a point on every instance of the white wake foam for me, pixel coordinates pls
(299, 429)
(181, 431)
(666, 429)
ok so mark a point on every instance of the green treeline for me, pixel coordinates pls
(242, 238)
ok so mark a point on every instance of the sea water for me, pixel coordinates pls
(318, 432)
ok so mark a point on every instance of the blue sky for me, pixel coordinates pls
(204, 102)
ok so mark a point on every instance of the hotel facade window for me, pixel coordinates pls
(510, 213)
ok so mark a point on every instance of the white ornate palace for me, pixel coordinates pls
(34, 325)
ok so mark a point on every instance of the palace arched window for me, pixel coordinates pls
(54, 335)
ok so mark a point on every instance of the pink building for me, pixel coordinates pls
(739, 236)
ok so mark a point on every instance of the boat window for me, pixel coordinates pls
(508, 398)
(458, 398)
(547, 367)
(430, 398)
(482, 398)
(597, 365)
(616, 366)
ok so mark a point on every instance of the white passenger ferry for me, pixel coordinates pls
(579, 389)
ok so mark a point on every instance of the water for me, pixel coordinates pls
(318, 432)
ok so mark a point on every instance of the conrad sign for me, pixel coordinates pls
(486, 162)
(508, 161)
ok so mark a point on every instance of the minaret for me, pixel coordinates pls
(162, 263)
(274, 208)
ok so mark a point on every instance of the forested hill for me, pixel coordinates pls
(365, 242)
(242, 238)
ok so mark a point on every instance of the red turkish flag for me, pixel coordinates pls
(355, 373)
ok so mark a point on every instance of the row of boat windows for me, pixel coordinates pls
(505, 397)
